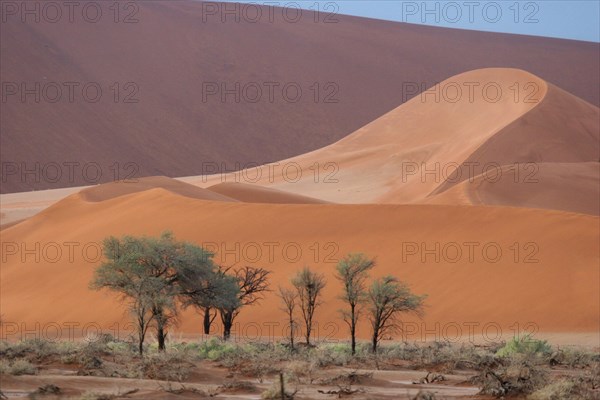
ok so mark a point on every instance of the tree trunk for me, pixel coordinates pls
(282, 388)
(292, 334)
(141, 345)
(375, 337)
(374, 342)
(161, 336)
(141, 337)
(227, 318)
(207, 321)
(353, 328)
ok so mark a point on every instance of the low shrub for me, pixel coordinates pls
(18, 366)
(518, 374)
(525, 345)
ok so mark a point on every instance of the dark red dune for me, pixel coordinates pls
(171, 52)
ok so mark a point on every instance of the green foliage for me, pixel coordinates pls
(215, 349)
(388, 297)
(525, 345)
(151, 274)
(352, 271)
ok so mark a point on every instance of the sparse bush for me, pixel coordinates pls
(424, 396)
(4, 367)
(573, 358)
(519, 374)
(97, 396)
(19, 366)
(166, 366)
(559, 390)
(297, 369)
(48, 389)
(274, 391)
(331, 354)
(238, 386)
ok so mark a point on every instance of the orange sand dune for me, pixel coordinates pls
(556, 290)
(260, 194)
(120, 188)
(438, 140)
(563, 186)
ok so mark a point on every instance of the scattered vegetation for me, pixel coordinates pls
(535, 373)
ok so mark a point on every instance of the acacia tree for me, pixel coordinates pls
(352, 271)
(252, 282)
(388, 297)
(288, 299)
(308, 285)
(149, 272)
(125, 271)
(207, 289)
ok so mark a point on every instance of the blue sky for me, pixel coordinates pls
(576, 19)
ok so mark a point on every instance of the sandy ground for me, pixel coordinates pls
(208, 377)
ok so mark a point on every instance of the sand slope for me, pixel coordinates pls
(461, 290)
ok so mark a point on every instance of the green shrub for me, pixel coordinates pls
(525, 345)
(215, 349)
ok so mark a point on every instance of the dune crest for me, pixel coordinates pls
(111, 190)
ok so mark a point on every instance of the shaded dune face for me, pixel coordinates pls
(559, 186)
(520, 135)
(171, 131)
(260, 194)
(485, 289)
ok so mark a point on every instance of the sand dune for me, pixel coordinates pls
(462, 290)
(429, 144)
(259, 194)
(121, 188)
(182, 134)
